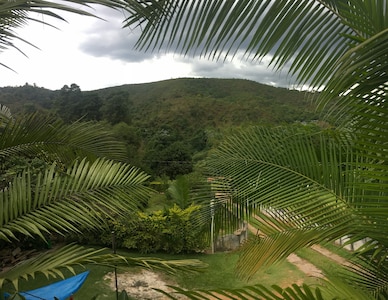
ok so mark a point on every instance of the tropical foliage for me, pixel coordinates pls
(76, 188)
(304, 187)
(171, 230)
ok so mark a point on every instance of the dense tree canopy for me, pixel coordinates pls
(193, 112)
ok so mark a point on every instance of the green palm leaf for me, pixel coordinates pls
(81, 198)
(52, 263)
(304, 188)
(49, 138)
(179, 191)
(5, 115)
(329, 45)
(15, 14)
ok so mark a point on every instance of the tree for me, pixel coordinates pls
(326, 189)
(171, 159)
(80, 186)
(69, 102)
(72, 105)
(116, 108)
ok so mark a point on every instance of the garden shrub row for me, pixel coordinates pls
(172, 230)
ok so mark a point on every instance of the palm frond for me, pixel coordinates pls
(81, 198)
(295, 292)
(179, 191)
(303, 187)
(15, 14)
(339, 47)
(49, 138)
(166, 266)
(312, 35)
(5, 116)
(371, 126)
(261, 252)
(369, 276)
(52, 263)
(360, 81)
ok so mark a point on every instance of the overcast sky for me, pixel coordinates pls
(95, 54)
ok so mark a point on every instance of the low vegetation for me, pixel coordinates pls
(172, 230)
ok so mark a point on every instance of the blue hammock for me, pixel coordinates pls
(61, 289)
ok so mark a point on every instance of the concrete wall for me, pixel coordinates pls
(230, 242)
(353, 246)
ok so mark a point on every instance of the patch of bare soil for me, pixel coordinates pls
(335, 257)
(305, 266)
(140, 285)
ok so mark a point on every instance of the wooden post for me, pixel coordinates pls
(115, 269)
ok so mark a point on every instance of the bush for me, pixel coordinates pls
(172, 230)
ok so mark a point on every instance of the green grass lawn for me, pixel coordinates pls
(220, 274)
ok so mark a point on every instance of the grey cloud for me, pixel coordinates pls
(109, 39)
(113, 44)
(242, 69)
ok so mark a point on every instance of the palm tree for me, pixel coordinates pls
(80, 185)
(305, 187)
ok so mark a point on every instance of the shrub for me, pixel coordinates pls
(173, 230)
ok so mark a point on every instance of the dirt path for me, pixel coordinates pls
(305, 266)
(335, 257)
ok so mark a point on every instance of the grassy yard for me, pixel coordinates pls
(326, 264)
(220, 274)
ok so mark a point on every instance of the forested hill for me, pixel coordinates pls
(168, 121)
(211, 101)
(214, 102)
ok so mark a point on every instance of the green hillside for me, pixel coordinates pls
(167, 124)
(216, 102)
(213, 102)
